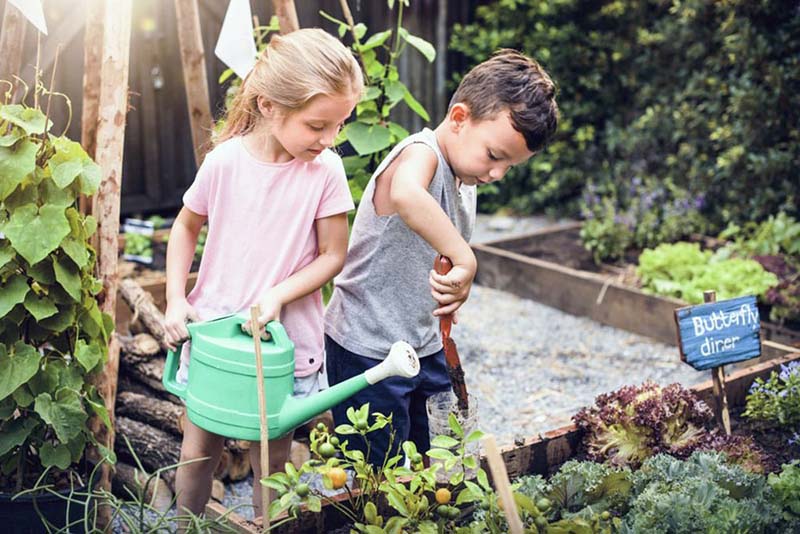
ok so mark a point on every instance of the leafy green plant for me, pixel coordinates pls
(683, 271)
(373, 133)
(786, 489)
(139, 245)
(54, 336)
(701, 494)
(777, 399)
(409, 492)
(629, 425)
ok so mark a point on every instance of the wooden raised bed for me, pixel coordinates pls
(537, 267)
(541, 455)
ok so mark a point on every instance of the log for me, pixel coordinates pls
(155, 448)
(127, 478)
(149, 373)
(239, 467)
(140, 345)
(144, 308)
(162, 414)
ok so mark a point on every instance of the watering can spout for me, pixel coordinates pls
(401, 361)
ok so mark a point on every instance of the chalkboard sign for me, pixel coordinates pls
(719, 333)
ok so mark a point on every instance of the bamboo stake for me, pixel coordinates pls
(718, 381)
(255, 311)
(12, 40)
(195, 79)
(501, 483)
(287, 15)
(113, 107)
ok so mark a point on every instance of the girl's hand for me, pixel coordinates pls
(451, 290)
(270, 311)
(178, 311)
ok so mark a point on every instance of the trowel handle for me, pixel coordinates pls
(442, 265)
(171, 372)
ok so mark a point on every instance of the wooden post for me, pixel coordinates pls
(718, 379)
(501, 483)
(113, 106)
(255, 311)
(194, 76)
(287, 15)
(92, 50)
(12, 39)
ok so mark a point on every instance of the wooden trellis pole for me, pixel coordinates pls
(92, 51)
(112, 109)
(194, 76)
(287, 15)
(12, 39)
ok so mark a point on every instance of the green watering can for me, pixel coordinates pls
(221, 394)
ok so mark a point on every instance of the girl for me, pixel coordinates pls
(276, 202)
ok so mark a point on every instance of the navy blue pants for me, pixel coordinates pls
(405, 398)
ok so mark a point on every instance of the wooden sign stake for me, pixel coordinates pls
(718, 379)
(500, 479)
(287, 15)
(255, 311)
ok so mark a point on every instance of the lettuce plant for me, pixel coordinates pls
(627, 426)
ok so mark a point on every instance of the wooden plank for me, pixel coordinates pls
(287, 15)
(12, 40)
(194, 76)
(113, 107)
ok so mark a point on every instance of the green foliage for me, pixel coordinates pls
(138, 245)
(132, 512)
(775, 244)
(701, 95)
(373, 133)
(407, 491)
(701, 494)
(54, 336)
(627, 426)
(776, 399)
(786, 489)
(683, 271)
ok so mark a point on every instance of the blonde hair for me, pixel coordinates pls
(293, 69)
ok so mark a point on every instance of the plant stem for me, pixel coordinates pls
(348, 16)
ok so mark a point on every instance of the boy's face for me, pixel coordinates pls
(485, 149)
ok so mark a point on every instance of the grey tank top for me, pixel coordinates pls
(382, 295)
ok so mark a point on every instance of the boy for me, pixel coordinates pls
(420, 202)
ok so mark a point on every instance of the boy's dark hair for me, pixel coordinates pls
(510, 80)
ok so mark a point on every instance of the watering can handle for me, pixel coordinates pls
(275, 329)
(171, 371)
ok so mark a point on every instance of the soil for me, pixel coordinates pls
(563, 248)
(772, 439)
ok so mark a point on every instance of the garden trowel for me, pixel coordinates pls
(442, 265)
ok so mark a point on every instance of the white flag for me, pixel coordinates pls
(236, 46)
(32, 9)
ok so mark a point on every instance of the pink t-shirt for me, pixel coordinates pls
(261, 231)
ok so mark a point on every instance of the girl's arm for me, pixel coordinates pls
(332, 245)
(180, 252)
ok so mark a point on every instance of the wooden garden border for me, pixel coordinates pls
(577, 292)
(537, 455)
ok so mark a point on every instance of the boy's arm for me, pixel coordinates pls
(332, 245)
(420, 211)
(180, 252)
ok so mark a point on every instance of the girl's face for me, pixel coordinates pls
(305, 133)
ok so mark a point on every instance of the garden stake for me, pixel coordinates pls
(501, 483)
(718, 379)
(442, 265)
(255, 311)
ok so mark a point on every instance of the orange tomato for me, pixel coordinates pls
(338, 477)
(443, 495)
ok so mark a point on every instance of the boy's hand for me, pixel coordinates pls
(178, 311)
(450, 290)
(270, 311)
